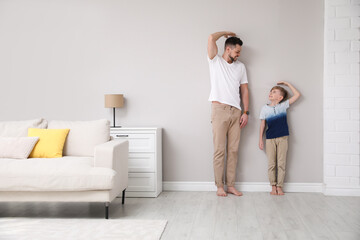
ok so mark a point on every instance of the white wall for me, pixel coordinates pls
(341, 97)
(59, 58)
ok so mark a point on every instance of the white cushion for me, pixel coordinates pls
(83, 135)
(20, 128)
(54, 174)
(17, 147)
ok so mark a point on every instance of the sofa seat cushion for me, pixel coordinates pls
(54, 174)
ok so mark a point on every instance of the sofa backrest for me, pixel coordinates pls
(20, 128)
(83, 135)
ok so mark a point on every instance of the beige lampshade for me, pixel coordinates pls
(114, 100)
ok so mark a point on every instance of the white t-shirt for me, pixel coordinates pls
(225, 80)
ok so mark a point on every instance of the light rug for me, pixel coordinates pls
(79, 229)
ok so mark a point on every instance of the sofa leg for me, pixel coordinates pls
(123, 196)
(107, 210)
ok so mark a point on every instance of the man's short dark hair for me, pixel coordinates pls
(233, 41)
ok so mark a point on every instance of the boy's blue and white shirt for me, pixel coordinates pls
(276, 120)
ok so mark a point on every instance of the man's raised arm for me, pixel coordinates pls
(212, 47)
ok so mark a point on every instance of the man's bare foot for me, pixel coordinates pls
(221, 192)
(273, 190)
(280, 191)
(233, 190)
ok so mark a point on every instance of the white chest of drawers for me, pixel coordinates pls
(145, 160)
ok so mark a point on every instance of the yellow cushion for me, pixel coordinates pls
(51, 142)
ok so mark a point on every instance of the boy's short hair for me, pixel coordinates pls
(283, 92)
(232, 41)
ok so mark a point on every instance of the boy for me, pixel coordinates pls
(274, 115)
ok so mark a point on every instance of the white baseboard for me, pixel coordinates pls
(336, 190)
(242, 186)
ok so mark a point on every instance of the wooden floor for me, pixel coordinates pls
(203, 215)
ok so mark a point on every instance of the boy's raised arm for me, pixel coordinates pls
(212, 47)
(296, 93)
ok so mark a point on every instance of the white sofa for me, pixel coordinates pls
(92, 169)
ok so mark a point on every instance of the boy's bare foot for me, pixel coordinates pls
(280, 191)
(221, 192)
(233, 190)
(273, 190)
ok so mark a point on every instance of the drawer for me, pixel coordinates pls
(141, 182)
(141, 162)
(137, 142)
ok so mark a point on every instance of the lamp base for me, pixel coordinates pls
(114, 120)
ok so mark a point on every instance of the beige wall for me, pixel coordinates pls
(58, 59)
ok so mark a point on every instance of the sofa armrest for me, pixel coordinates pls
(112, 154)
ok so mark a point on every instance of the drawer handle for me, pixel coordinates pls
(120, 135)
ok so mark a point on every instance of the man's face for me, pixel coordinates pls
(275, 95)
(234, 52)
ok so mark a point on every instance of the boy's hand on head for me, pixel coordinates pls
(282, 83)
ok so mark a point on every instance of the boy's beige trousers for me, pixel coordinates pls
(276, 150)
(226, 137)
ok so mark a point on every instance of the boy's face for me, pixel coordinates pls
(275, 95)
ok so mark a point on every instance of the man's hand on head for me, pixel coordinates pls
(229, 34)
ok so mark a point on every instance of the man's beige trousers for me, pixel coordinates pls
(226, 137)
(276, 150)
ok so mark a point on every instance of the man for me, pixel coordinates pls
(228, 85)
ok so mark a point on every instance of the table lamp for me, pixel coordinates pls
(114, 101)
